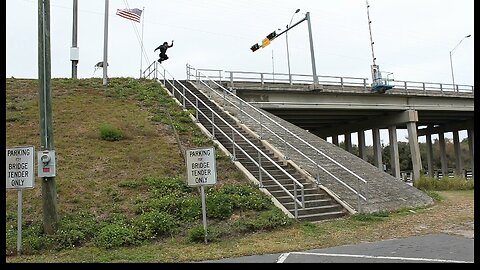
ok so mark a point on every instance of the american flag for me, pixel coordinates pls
(131, 14)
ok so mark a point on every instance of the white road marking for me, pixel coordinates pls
(373, 257)
(282, 257)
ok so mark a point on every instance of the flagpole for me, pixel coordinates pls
(105, 45)
(141, 45)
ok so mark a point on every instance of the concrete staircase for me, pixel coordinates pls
(319, 205)
(383, 192)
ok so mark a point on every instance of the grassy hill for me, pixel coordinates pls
(124, 192)
(125, 200)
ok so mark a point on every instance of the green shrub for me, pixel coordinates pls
(247, 197)
(166, 185)
(197, 234)
(267, 220)
(110, 133)
(435, 196)
(33, 239)
(444, 183)
(10, 239)
(219, 206)
(74, 230)
(379, 216)
(114, 235)
(191, 209)
(152, 224)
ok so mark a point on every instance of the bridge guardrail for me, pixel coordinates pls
(342, 81)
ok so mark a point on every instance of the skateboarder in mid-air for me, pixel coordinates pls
(163, 49)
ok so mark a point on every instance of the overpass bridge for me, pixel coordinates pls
(345, 105)
(304, 175)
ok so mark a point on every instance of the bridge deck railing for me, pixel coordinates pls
(342, 81)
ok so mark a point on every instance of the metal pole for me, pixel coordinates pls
(288, 54)
(74, 37)
(19, 223)
(204, 212)
(105, 45)
(49, 192)
(288, 59)
(273, 68)
(451, 62)
(451, 66)
(314, 69)
(141, 46)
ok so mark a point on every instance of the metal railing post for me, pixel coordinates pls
(183, 96)
(241, 111)
(196, 109)
(261, 127)
(359, 199)
(295, 200)
(233, 144)
(231, 79)
(260, 169)
(261, 79)
(213, 126)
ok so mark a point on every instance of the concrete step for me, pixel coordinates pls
(312, 203)
(317, 210)
(306, 191)
(308, 197)
(322, 216)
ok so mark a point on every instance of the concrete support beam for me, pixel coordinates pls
(471, 149)
(394, 156)
(458, 154)
(377, 149)
(443, 153)
(383, 121)
(335, 140)
(430, 155)
(447, 128)
(362, 149)
(414, 150)
(348, 142)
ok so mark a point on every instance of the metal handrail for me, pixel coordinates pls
(261, 153)
(284, 141)
(291, 146)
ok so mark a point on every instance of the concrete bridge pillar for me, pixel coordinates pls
(443, 153)
(394, 156)
(429, 155)
(414, 149)
(458, 156)
(335, 140)
(377, 149)
(470, 148)
(348, 142)
(362, 150)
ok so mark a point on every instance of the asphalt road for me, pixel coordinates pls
(434, 248)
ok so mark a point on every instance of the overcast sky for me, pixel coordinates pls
(412, 38)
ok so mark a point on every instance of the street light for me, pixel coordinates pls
(288, 54)
(451, 63)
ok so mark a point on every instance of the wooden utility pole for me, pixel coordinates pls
(49, 190)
